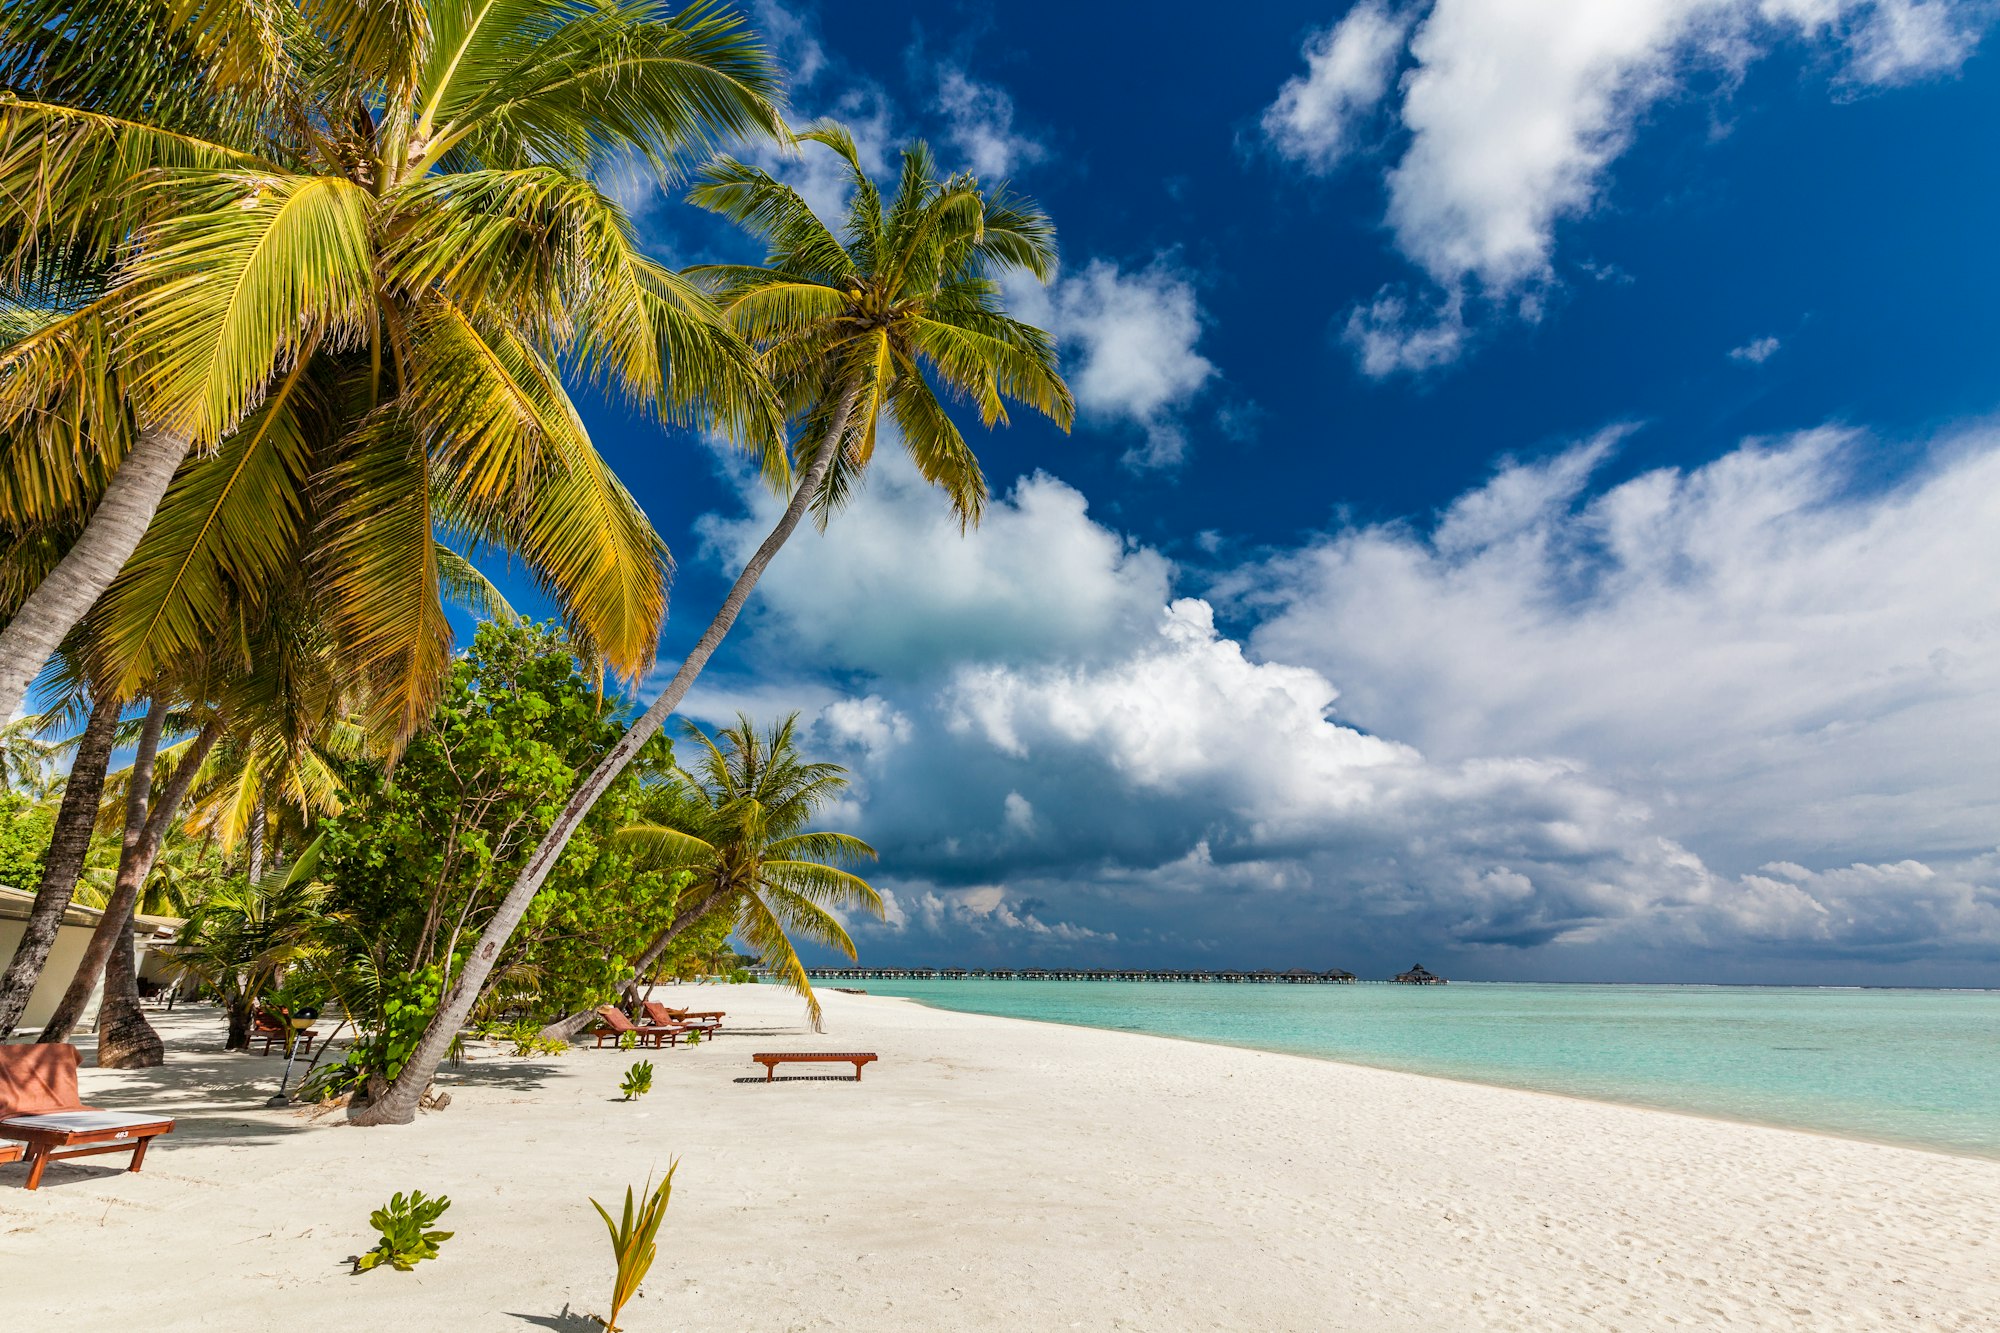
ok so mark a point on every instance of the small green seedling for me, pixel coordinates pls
(406, 1237)
(694, 1038)
(638, 1080)
(634, 1240)
(627, 1040)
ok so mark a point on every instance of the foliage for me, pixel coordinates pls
(28, 764)
(25, 829)
(244, 939)
(407, 1239)
(739, 824)
(525, 1034)
(638, 1080)
(742, 976)
(634, 1240)
(905, 301)
(419, 858)
(353, 253)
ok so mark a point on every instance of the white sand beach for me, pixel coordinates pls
(992, 1174)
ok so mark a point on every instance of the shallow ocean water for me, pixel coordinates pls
(1902, 1066)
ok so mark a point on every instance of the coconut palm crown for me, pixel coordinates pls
(322, 268)
(905, 301)
(739, 823)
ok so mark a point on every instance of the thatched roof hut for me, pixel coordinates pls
(1418, 975)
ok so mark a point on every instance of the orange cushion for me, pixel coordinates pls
(38, 1079)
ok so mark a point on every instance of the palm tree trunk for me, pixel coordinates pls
(116, 928)
(256, 841)
(125, 1040)
(87, 568)
(239, 1024)
(398, 1104)
(138, 791)
(62, 864)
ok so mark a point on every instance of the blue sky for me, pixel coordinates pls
(1532, 510)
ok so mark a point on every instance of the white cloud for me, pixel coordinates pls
(1770, 659)
(1129, 340)
(1756, 352)
(1515, 110)
(1389, 338)
(1347, 75)
(1714, 718)
(894, 590)
(979, 118)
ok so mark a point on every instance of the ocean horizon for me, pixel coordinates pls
(1916, 1067)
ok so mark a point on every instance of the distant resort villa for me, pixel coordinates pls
(1417, 976)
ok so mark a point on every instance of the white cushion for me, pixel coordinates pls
(81, 1122)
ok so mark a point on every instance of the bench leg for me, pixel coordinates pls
(857, 1071)
(38, 1161)
(770, 1070)
(139, 1153)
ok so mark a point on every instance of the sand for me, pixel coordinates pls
(993, 1174)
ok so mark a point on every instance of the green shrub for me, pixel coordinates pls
(634, 1241)
(638, 1080)
(406, 1237)
(742, 976)
(526, 1036)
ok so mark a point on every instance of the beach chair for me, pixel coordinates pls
(708, 1022)
(39, 1107)
(613, 1024)
(270, 1029)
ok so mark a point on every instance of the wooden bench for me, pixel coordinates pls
(772, 1059)
(39, 1107)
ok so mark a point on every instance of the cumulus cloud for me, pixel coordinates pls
(1318, 114)
(1696, 718)
(1769, 655)
(1756, 352)
(1515, 111)
(979, 119)
(1129, 340)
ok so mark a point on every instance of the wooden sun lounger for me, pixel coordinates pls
(272, 1031)
(708, 1020)
(772, 1059)
(614, 1025)
(39, 1107)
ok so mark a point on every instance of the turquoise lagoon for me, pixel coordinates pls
(1920, 1068)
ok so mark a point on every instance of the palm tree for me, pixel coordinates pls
(739, 825)
(153, 797)
(848, 328)
(27, 762)
(306, 284)
(242, 939)
(69, 845)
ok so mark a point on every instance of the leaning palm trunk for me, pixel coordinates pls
(88, 567)
(63, 863)
(398, 1105)
(128, 1045)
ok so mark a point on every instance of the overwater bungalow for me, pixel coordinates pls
(1418, 975)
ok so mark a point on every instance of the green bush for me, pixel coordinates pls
(406, 1236)
(638, 1080)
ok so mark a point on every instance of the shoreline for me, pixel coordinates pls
(1716, 1117)
(993, 1172)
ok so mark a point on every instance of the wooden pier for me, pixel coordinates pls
(1297, 976)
